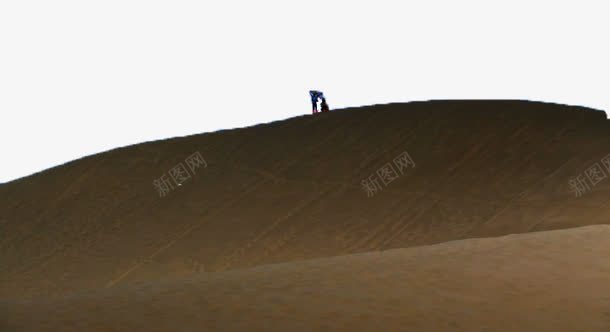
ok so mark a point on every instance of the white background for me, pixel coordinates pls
(81, 77)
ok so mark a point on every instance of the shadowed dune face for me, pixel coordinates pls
(291, 190)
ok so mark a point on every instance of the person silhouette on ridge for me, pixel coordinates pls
(324, 105)
(315, 95)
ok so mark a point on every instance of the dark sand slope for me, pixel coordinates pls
(542, 281)
(289, 191)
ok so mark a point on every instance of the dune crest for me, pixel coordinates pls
(292, 190)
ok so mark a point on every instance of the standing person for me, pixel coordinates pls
(315, 95)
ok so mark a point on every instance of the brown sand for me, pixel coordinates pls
(543, 281)
(90, 246)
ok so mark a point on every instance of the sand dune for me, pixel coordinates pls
(543, 281)
(291, 191)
